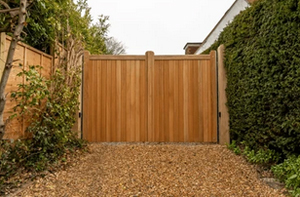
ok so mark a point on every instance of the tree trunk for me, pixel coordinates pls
(9, 61)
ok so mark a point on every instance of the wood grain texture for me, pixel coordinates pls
(153, 98)
(213, 92)
(224, 135)
(114, 101)
(25, 56)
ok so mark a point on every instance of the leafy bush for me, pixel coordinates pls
(11, 155)
(49, 106)
(234, 148)
(262, 61)
(262, 156)
(289, 173)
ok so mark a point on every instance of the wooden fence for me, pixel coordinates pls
(150, 98)
(26, 55)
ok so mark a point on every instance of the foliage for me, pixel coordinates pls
(262, 156)
(262, 63)
(49, 106)
(11, 156)
(95, 43)
(51, 112)
(234, 148)
(98, 41)
(289, 173)
(54, 20)
(114, 47)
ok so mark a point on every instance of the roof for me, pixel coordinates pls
(196, 44)
(204, 41)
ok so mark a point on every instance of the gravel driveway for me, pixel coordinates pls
(119, 169)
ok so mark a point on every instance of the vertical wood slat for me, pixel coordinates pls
(99, 101)
(104, 100)
(108, 102)
(150, 94)
(213, 84)
(86, 91)
(171, 102)
(144, 103)
(119, 99)
(224, 135)
(200, 100)
(128, 93)
(205, 100)
(93, 103)
(181, 101)
(176, 103)
(166, 103)
(185, 100)
(123, 102)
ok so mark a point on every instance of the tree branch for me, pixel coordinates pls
(5, 29)
(9, 61)
(4, 4)
(10, 10)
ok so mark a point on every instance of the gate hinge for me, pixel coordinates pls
(80, 114)
(220, 114)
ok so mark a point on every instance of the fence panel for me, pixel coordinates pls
(25, 56)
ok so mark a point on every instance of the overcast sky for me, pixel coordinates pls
(162, 26)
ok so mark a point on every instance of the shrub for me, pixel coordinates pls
(49, 106)
(263, 68)
(262, 156)
(234, 148)
(289, 173)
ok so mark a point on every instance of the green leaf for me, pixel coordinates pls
(293, 176)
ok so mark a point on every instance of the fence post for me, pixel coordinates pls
(77, 125)
(86, 59)
(2, 52)
(150, 87)
(224, 135)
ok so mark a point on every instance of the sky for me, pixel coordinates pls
(162, 26)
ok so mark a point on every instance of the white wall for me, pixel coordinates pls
(237, 7)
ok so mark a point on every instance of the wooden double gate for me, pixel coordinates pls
(150, 98)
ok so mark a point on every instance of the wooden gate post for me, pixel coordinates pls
(77, 127)
(224, 135)
(84, 89)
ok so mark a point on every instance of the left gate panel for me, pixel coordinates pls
(114, 100)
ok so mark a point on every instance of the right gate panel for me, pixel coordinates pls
(184, 104)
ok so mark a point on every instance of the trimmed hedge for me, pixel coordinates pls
(263, 67)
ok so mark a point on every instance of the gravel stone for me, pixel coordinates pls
(155, 169)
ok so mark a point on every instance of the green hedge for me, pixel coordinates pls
(263, 68)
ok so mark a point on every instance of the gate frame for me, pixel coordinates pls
(221, 113)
